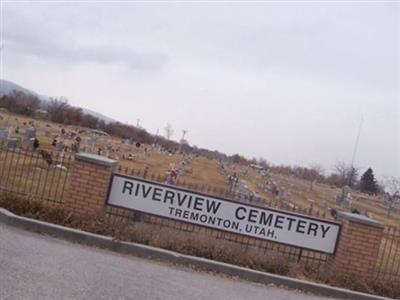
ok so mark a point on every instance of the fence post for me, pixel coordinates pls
(89, 184)
(358, 246)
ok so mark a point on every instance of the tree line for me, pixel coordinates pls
(342, 175)
(60, 111)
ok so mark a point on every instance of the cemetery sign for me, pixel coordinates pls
(214, 212)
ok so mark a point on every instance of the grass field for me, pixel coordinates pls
(199, 170)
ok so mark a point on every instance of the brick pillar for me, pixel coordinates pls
(89, 184)
(358, 246)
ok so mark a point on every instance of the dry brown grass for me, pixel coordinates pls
(28, 173)
(204, 172)
(192, 244)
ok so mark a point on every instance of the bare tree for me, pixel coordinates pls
(263, 162)
(20, 103)
(169, 131)
(344, 174)
(392, 185)
(57, 109)
(392, 195)
(318, 169)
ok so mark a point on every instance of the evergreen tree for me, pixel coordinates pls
(368, 182)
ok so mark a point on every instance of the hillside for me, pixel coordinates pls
(7, 87)
(211, 175)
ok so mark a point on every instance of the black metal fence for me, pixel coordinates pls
(45, 175)
(39, 174)
(388, 264)
(308, 257)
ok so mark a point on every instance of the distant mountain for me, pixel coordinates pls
(6, 87)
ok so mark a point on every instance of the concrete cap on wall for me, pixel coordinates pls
(357, 218)
(95, 159)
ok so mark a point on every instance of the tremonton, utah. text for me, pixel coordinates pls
(192, 207)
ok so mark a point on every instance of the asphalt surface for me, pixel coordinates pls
(34, 266)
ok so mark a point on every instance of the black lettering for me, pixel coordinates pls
(178, 212)
(137, 190)
(203, 218)
(171, 210)
(252, 216)
(198, 203)
(237, 213)
(169, 195)
(186, 214)
(227, 223)
(249, 228)
(312, 227)
(211, 220)
(212, 206)
(325, 230)
(157, 194)
(181, 200)
(127, 186)
(190, 202)
(270, 233)
(291, 220)
(279, 222)
(235, 225)
(194, 216)
(266, 221)
(146, 192)
(301, 225)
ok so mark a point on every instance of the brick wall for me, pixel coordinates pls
(357, 249)
(89, 184)
(358, 246)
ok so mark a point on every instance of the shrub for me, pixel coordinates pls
(196, 244)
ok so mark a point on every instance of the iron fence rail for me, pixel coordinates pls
(308, 257)
(42, 175)
(388, 263)
(45, 176)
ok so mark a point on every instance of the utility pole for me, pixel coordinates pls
(355, 151)
(155, 137)
(184, 131)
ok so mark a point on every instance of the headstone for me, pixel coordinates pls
(61, 167)
(31, 142)
(59, 146)
(283, 195)
(10, 130)
(387, 200)
(89, 144)
(4, 134)
(75, 147)
(30, 133)
(12, 143)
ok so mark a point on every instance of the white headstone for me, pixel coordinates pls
(30, 133)
(4, 134)
(59, 146)
(12, 143)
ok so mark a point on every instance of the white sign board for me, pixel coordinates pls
(196, 208)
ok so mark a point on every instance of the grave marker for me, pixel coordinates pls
(12, 143)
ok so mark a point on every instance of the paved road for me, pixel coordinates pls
(33, 266)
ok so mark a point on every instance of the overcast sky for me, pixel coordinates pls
(286, 81)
